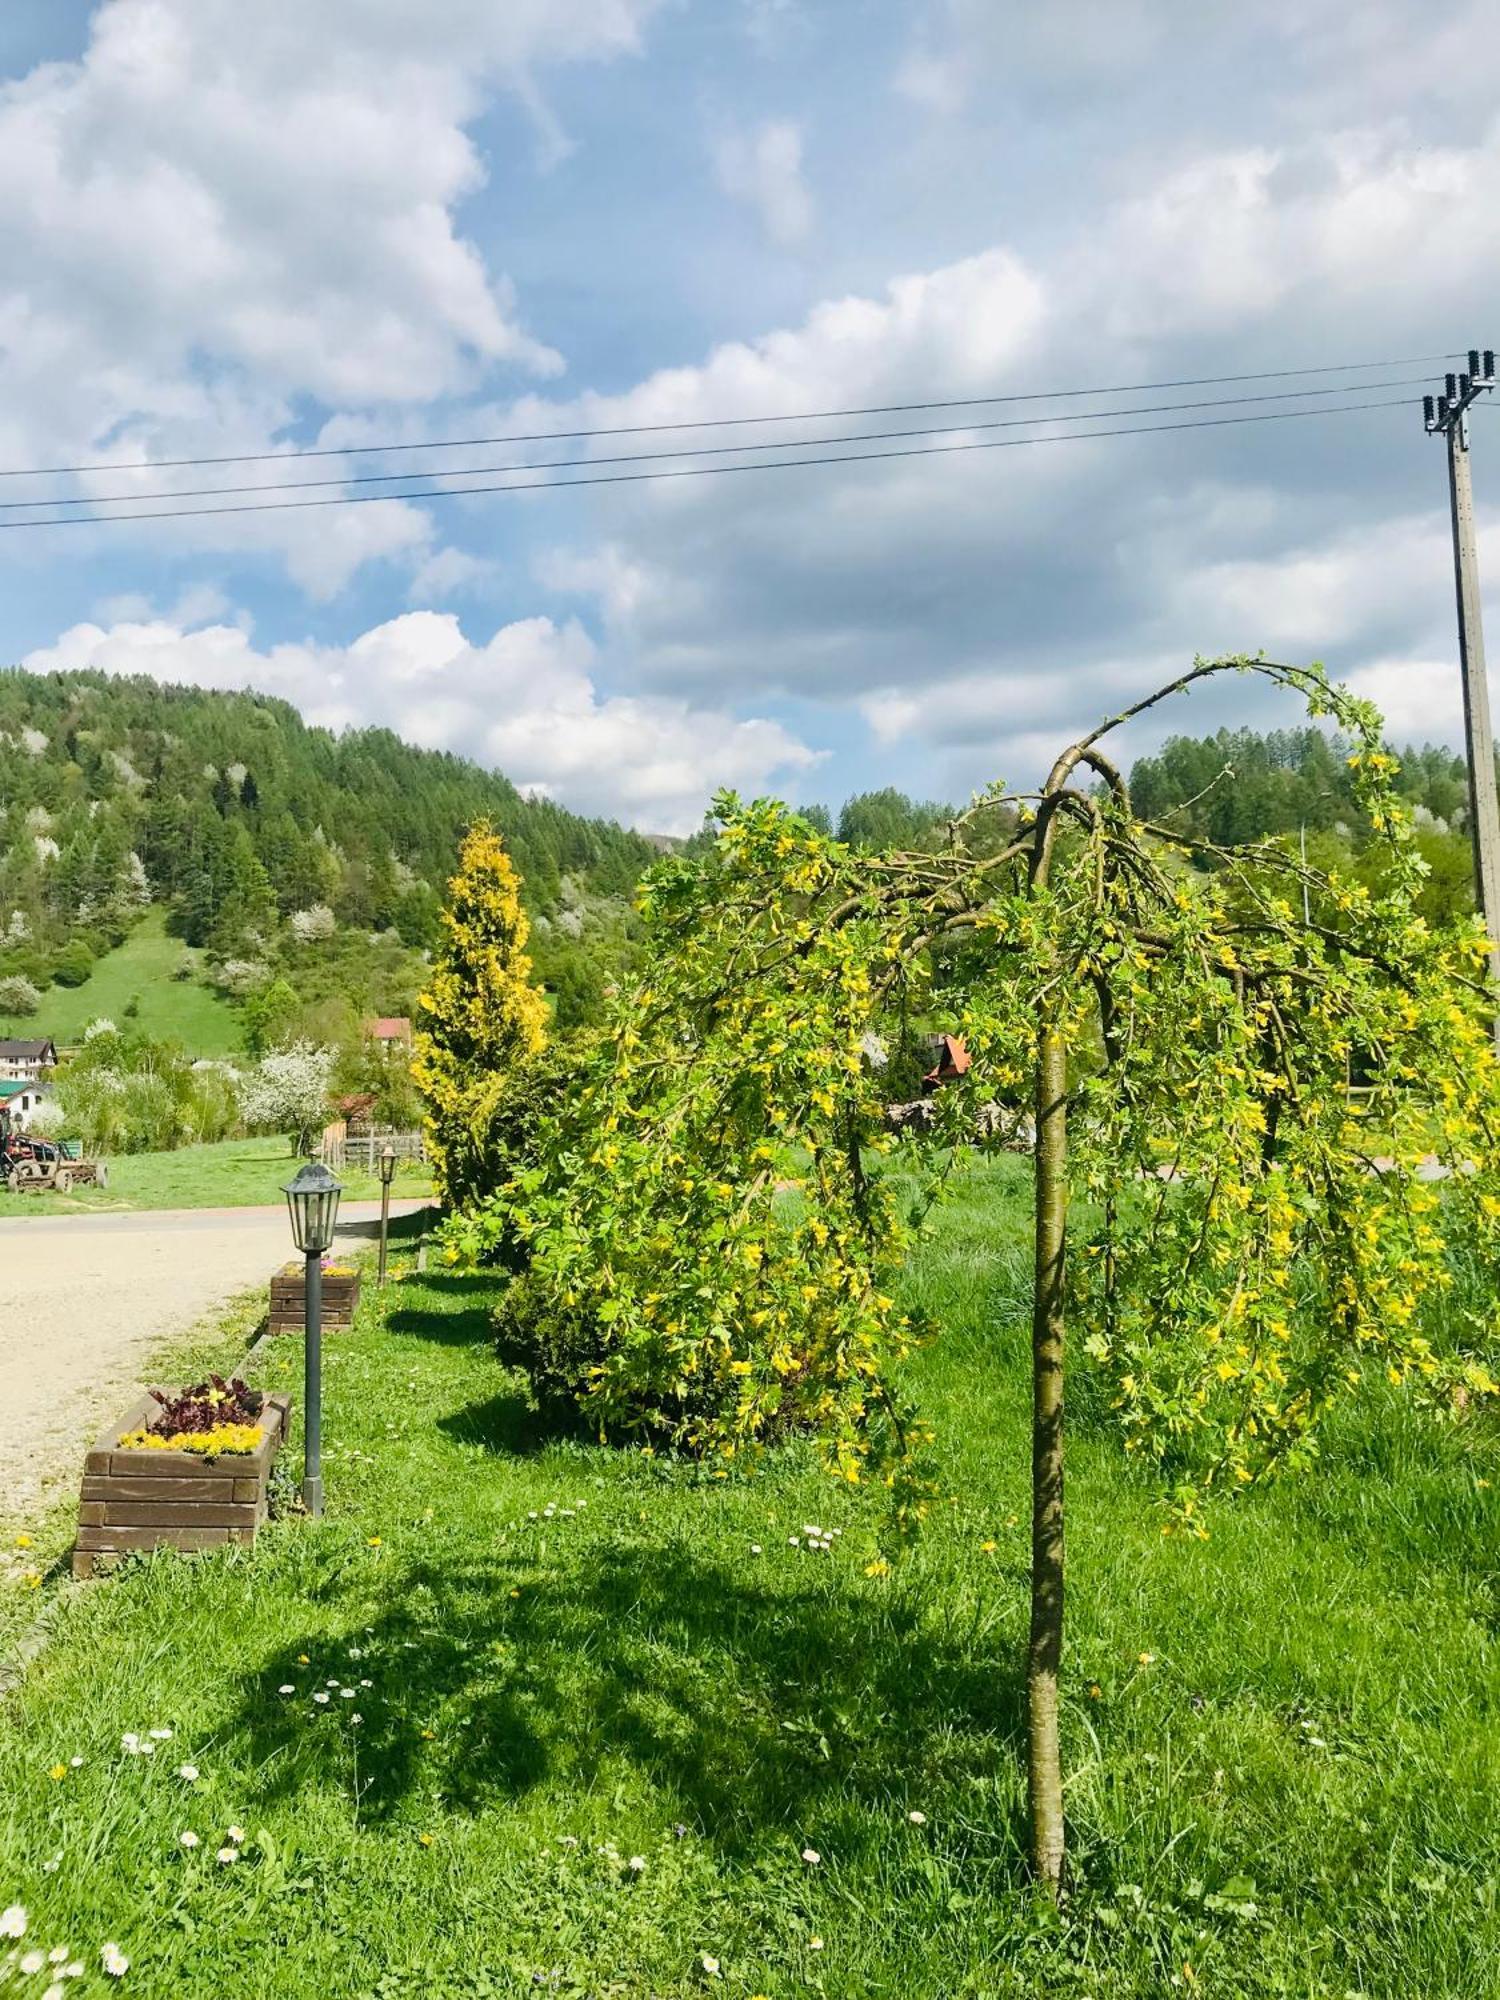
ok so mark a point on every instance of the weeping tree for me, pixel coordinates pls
(717, 1232)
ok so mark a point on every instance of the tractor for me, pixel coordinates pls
(36, 1166)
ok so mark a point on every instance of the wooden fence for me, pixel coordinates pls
(340, 1151)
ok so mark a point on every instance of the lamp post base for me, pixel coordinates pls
(312, 1497)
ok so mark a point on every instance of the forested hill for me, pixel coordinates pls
(1241, 785)
(252, 827)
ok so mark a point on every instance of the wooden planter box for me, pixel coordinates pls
(288, 1293)
(172, 1499)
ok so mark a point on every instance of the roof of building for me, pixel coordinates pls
(389, 1028)
(953, 1060)
(24, 1050)
(12, 1086)
(356, 1104)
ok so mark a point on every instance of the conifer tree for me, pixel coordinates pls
(481, 1017)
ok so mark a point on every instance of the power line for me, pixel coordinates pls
(693, 471)
(678, 451)
(717, 423)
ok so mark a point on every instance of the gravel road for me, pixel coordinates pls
(88, 1297)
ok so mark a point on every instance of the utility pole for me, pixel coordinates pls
(1448, 416)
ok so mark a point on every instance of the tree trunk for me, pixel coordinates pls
(1044, 1655)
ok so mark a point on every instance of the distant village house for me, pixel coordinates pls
(26, 1060)
(19, 1098)
(392, 1032)
(356, 1113)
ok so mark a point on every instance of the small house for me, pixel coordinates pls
(356, 1113)
(19, 1098)
(26, 1060)
(391, 1032)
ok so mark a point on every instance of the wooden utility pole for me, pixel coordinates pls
(1448, 415)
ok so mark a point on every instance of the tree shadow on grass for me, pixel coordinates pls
(749, 1708)
(464, 1323)
(507, 1423)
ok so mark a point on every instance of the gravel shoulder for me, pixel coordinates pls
(90, 1298)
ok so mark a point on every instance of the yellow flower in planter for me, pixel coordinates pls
(223, 1438)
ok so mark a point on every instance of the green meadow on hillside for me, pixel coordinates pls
(141, 969)
(525, 1714)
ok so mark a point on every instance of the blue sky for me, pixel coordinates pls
(232, 229)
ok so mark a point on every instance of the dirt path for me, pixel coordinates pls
(88, 1297)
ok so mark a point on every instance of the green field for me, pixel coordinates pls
(181, 1010)
(234, 1173)
(1283, 1742)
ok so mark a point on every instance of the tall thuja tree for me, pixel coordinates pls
(480, 1017)
(1257, 1242)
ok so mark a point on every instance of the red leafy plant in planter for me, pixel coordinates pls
(210, 1418)
(207, 1405)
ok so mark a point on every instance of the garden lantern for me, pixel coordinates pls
(387, 1175)
(312, 1199)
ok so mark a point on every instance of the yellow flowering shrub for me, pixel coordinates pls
(480, 1019)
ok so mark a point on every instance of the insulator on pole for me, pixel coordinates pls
(1429, 414)
(1474, 361)
(1450, 383)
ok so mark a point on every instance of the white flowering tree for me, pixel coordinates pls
(18, 995)
(311, 924)
(287, 1091)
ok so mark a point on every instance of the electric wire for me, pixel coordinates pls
(715, 423)
(681, 451)
(693, 471)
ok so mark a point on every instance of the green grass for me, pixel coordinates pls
(1292, 1794)
(142, 967)
(234, 1173)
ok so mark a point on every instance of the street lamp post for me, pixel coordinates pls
(387, 1175)
(312, 1199)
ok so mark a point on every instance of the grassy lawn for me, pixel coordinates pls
(235, 1173)
(141, 968)
(1284, 1743)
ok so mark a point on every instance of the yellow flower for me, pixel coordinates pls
(373, 1542)
(1096, 1693)
(1146, 1659)
(880, 1567)
(32, 1579)
(58, 1771)
(23, 1541)
(237, 1439)
(988, 1548)
(424, 1840)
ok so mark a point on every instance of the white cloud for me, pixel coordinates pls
(446, 572)
(763, 169)
(526, 702)
(974, 606)
(221, 209)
